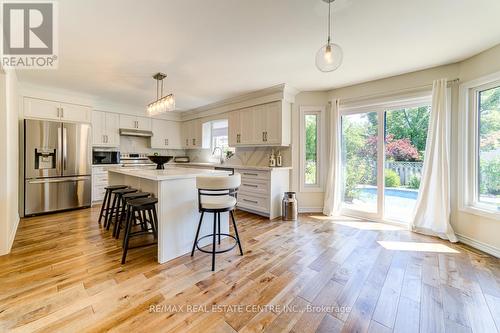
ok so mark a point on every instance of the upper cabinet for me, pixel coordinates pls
(166, 134)
(105, 131)
(192, 134)
(261, 125)
(53, 110)
(134, 122)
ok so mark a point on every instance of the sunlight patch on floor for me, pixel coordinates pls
(417, 247)
(334, 218)
(369, 225)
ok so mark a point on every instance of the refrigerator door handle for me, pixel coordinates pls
(59, 180)
(64, 147)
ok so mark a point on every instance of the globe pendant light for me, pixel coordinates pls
(329, 56)
(162, 103)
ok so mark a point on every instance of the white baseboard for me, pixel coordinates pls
(310, 209)
(479, 245)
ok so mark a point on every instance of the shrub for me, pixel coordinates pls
(490, 176)
(414, 182)
(391, 178)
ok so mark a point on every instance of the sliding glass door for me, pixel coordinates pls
(360, 163)
(382, 160)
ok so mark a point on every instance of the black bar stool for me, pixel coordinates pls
(117, 205)
(107, 201)
(125, 209)
(144, 207)
(217, 194)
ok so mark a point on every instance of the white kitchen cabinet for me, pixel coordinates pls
(166, 134)
(99, 182)
(54, 110)
(262, 125)
(192, 134)
(135, 123)
(105, 131)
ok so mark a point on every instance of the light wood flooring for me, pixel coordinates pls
(316, 275)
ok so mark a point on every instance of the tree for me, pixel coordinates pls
(409, 123)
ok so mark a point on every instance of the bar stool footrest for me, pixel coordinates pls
(218, 251)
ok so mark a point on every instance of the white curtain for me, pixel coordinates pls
(333, 191)
(432, 211)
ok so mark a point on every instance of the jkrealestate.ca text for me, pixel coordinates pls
(29, 61)
(245, 308)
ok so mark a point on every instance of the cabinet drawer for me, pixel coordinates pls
(254, 186)
(99, 170)
(253, 174)
(256, 203)
(100, 178)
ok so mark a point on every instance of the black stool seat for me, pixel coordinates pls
(107, 201)
(136, 195)
(125, 191)
(142, 203)
(145, 210)
(115, 187)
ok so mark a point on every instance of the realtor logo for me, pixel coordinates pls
(29, 34)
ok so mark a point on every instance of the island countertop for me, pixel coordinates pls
(168, 173)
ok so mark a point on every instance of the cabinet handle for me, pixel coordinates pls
(107, 140)
(194, 142)
(62, 113)
(252, 201)
(250, 174)
(251, 185)
(238, 138)
(166, 142)
(266, 135)
(58, 116)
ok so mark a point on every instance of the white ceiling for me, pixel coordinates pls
(216, 49)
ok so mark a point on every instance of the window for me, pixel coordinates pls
(480, 146)
(215, 135)
(311, 132)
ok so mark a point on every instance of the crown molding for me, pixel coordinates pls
(267, 95)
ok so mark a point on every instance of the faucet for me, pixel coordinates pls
(221, 157)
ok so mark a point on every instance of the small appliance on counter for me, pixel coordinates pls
(160, 160)
(105, 156)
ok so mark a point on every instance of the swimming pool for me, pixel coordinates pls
(368, 192)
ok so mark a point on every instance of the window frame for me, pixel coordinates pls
(469, 146)
(318, 111)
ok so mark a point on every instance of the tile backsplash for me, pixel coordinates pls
(135, 144)
(255, 156)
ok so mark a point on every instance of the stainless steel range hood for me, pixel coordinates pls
(134, 132)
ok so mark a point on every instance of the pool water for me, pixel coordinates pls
(391, 192)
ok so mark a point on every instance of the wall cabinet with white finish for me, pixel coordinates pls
(105, 131)
(53, 110)
(192, 134)
(135, 123)
(262, 125)
(166, 134)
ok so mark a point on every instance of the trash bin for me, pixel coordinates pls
(289, 207)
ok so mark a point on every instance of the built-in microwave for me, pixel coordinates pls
(105, 156)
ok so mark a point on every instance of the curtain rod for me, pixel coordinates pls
(449, 83)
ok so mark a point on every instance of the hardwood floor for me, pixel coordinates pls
(316, 275)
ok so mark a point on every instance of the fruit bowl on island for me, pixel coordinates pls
(160, 160)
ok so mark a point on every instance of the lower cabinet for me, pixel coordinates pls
(261, 191)
(100, 181)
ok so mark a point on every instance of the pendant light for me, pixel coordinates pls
(162, 103)
(329, 56)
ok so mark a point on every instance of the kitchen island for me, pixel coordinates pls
(178, 216)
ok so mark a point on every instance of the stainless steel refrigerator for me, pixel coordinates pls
(57, 166)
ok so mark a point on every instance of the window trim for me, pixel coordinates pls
(468, 146)
(320, 112)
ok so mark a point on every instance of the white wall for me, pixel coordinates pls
(9, 163)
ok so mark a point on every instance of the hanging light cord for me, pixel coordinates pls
(329, 5)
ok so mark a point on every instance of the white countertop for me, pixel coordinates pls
(168, 173)
(233, 166)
